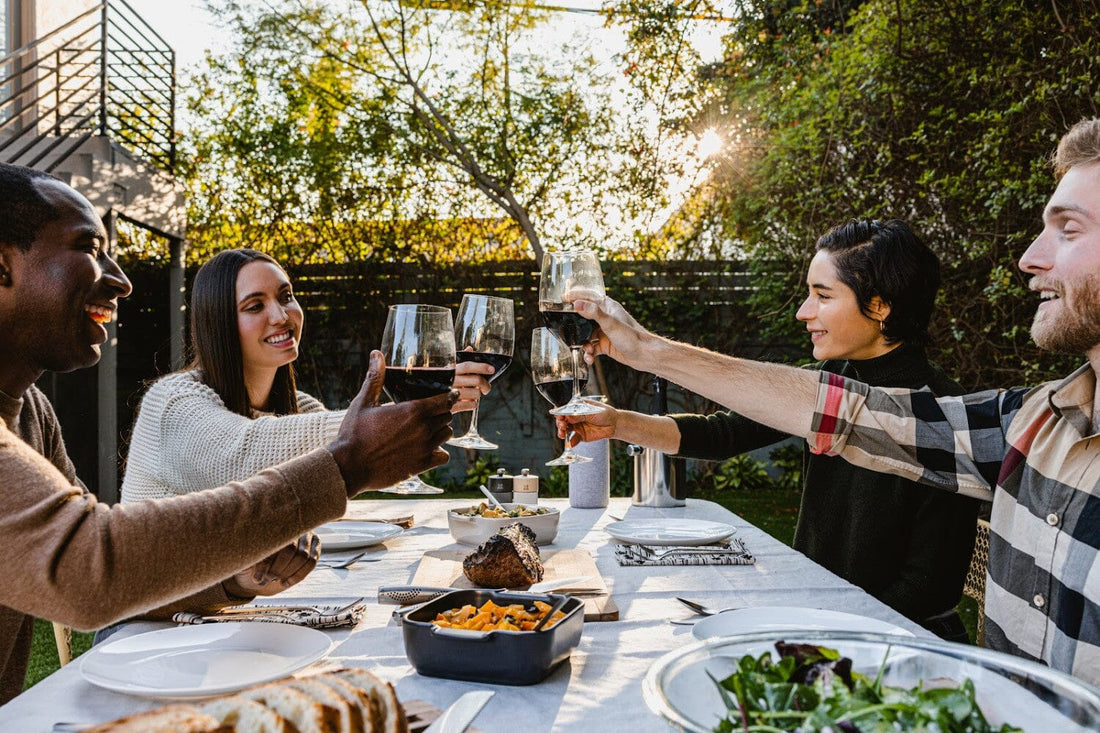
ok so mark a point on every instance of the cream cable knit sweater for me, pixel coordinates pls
(185, 439)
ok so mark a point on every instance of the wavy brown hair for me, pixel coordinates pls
(1079, 146)
(216, 340)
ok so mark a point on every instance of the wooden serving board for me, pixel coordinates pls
(444, 568)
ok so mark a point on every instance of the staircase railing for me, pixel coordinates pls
(106, 72)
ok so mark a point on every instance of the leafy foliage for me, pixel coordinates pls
(397, 130)
(941, 113)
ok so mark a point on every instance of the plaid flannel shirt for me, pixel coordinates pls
(1033, 452)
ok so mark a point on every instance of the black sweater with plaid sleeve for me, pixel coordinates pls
(906, 544)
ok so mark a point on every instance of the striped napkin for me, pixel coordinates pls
(317, 617)
(731, 552)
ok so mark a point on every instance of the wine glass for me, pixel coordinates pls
(419, 346)
(556, 378)
(561, 273)
(485, 332)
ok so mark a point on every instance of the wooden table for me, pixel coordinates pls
(599, 689)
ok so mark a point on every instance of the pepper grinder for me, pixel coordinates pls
(501, 486)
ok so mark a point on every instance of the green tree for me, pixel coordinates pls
(940, 112)
(404, 131)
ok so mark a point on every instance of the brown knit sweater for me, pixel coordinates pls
(70, 559)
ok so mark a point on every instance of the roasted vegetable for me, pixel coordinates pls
(491, 617)
(488, 512)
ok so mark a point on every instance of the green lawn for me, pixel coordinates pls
(773, 510)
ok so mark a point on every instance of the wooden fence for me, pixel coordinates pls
(345, 305)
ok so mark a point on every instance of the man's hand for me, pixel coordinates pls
(618, 336)
(277, 572)
(587, 428)
(471, 383)
(379, 445)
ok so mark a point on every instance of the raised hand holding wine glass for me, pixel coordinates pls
(419, 346)
(556, 376)
(562, 273)
(485, 332)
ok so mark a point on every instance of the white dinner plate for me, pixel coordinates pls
(688, 532)
(788, 618)
(349, 535)
(202, 660)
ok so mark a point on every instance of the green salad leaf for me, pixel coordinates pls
(812, 688)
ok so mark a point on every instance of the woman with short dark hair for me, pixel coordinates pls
(871, 289)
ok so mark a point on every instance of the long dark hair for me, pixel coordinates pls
(885, 258)
(216, 340)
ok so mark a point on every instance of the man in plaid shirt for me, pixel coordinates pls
(1035, 453)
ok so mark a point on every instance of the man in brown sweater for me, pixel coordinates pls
(73, 560)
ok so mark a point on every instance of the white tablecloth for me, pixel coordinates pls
(598, 689)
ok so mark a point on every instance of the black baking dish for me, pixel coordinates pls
(496, 657)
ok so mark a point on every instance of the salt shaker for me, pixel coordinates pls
(525, 488)
(590, 482)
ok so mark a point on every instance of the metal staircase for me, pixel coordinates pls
(93, 102)
(104, 73)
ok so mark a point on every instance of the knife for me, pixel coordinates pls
(457, 717)
(407, 594)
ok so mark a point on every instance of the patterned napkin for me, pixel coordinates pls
(731, 552)
(318, 617)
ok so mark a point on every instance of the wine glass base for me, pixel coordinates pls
(472, 442)
(578, 407)
(568, 459)
(411, 486)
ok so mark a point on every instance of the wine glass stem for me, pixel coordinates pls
(568, 444)
(473, 420)
(575, 352)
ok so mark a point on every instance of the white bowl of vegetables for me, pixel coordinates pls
(472, 525)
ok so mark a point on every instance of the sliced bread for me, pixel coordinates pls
(246, 716)
(391, 716)
(179, 718)
(303, 712)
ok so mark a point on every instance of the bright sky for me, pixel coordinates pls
(191, 30)
(185, 25)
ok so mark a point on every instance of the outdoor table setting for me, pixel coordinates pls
(600, 685)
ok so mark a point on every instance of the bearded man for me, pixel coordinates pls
(1034, 452)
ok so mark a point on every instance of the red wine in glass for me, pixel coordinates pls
(499, 362)
(566, 276)
(559, 391)
(485, 332)
(416, 383)
(552, 371)
(419, 345)
(571, 327)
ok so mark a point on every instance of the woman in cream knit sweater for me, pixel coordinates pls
(235, 410)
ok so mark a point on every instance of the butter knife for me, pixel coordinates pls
(458, 716)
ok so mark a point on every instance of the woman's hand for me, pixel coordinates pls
(471, 381)
(587, 428)
(277, 572)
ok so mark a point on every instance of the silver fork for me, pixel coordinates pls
(655, 555)
(347, 562)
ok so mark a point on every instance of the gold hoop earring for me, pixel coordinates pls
(882, 326)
